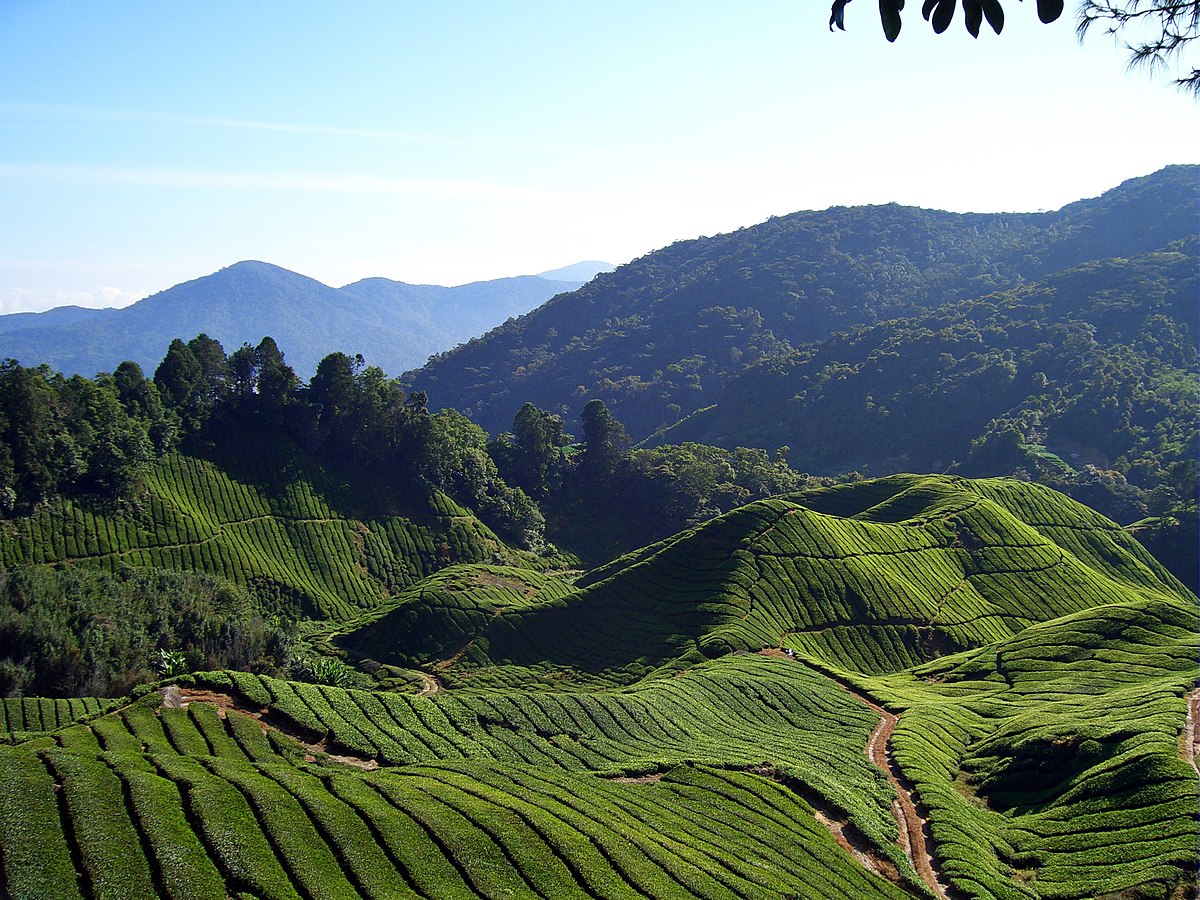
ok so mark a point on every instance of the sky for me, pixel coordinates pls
(143, 144)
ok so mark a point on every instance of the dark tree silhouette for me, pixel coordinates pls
(1163, 28)
(939, 13)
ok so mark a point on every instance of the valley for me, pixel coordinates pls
(867, 576)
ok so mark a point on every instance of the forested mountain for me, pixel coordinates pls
(658, 338)
(1092, 367)
(369, 651)
(393, 325)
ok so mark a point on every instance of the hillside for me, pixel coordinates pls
(651, 752)
(266, 516)
(1094, 364)
(393, 325)
(872, 577)
(658, 338)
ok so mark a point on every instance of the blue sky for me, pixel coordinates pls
(147, 143)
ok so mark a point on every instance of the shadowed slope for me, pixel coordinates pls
(267, 516)
(871, 577)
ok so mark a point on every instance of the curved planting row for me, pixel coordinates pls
(736, 712)
(272, 517)
(857, 593)
(1050, 762)
(443, 613)
(24, 717)
(207, 801)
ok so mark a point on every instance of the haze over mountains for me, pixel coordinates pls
(394, 325)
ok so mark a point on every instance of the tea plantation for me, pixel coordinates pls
(917, 686)
(265, 516)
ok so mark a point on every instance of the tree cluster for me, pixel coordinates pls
(86, 633)
(601, 498)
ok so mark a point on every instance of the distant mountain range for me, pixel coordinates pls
(394, 325)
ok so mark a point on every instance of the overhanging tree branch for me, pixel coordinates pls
(1169, 28)
(1168, 25)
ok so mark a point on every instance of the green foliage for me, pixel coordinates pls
(658, 339)
(447, 610)
(324, 670)
(73, 436)
(870, 577)
(170, 663)
(457, 461)
(621, 762)
(84, 632)
(536, 459)
(267, 516)
(1086, 380)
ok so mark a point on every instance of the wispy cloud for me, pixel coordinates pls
(316, 182)
(80, 113)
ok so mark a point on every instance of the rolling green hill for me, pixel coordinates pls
(266, 516)
(871, 577)
(987, 696)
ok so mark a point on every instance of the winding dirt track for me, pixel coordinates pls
(915, 838)
(914, 834)
(430, 685)
(1189, 743)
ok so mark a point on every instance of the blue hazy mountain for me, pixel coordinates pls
(394, 325)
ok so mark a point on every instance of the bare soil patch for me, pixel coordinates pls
(914, 838)
(1189, 741)
(175, 697)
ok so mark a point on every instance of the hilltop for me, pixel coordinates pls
(392, 324)
(1060, 347)
(660, 338)
(871, 577)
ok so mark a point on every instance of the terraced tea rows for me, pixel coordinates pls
(22, 718)
(270, 519)
(873, 592)
(1054, 762)
(442, 614)
(1054, 759)
(210, 800)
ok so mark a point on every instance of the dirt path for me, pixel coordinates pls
(431, 684)
(469, 643)
(1189, 741)
(175, 697)
(914, 834)
(915, 838)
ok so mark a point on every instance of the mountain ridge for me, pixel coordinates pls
(393, 324)
(657, 336)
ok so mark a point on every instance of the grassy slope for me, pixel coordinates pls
(267, 517)
(1046, 753)
(872, 578)
(1054, 758)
